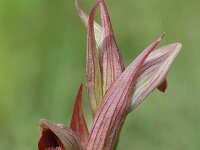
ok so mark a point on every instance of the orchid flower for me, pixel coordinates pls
(113, 90)
(59, 137)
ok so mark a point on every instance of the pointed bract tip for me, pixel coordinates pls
(43, 123)
(179, 45)
(163, 35)
(78, 123)
(81, 87)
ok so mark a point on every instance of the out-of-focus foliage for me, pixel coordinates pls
(42, 63)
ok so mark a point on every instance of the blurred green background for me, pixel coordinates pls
(42, 63)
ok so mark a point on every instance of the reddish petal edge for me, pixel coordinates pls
(93, 74)
(78, 124)
(163, 86)
(111, 61)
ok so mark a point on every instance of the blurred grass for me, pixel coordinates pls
(42, 57)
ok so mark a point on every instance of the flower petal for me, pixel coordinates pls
(115, 105)
(97, 28)
(154, 72)
(57, 136)
(93, 74)
(110, 58)
(78, 124)
(163, 86)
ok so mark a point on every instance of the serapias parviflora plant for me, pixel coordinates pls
(113, 90)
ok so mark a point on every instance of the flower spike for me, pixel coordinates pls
(113, 91)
